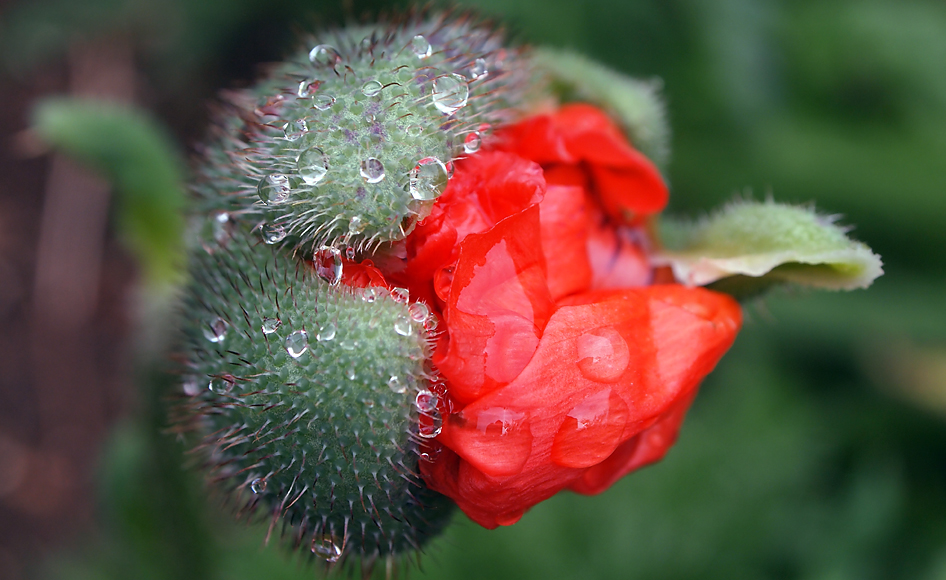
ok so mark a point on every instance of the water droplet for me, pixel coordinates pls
(273, 234)
(396, 385)
(450, 93)
(273, 188)
(430, 323)
(348, 344)
(495, 440)
(431, 451)
(451, 168)
(323, 102)
(312, 165)
(308, 88)
(369, 294)
(403, 326)
(297, 343)
(478, 69)
(420, 46)
(350, 250)
(270, 325)
(372, 170)
(430, 424)
(295, 129)
(328, 264)
(418, 312)
(426, 401)
(220, 386)
(191, 387)
(471, 144)
(258, 485)
(401, 295)
(356, 225)
(591, 431)
(371, 88)
(219, 228)
(326, 332)
(324, 55)
(414, 130)
(428, 179)
(352, 375)
(216, 330)
(327, 549)
(603, 355)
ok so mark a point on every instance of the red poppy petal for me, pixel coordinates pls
(648, 446)
(564, 222)
(362, 275)
(609, 366)
(630, 192)
(616, 261)
(536, 138)
(497, 307)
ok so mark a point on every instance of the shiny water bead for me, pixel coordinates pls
(258, 485)
(356, 225)
(471, 143)
(312, 165)
(371, 88)
(297, 343)
(420, 46)
(325, 55)
(372, 170)
(307, 88)
(323, 102)
(428, 179)
(369, 294)
(430, 424)
(273, 188)
(327, 332)
(395, 384)
(401, 295)
(414, 130)
(270, 325)
(426, 401)
(220, 226)
(296, 129)
(220, 386)
(431, 451)
(328, 264)
(418, 312)
(479, 69)
(350, 250)
(216, 330)
(273, 233)
(327, 549)
(403, 326)
(450, 93)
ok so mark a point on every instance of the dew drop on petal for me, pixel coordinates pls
(603, 355)
(324, 55)
(418, 312)
(215, 330)
(328, 264)
(471, 144)
(403, 326)
(270, 325)
(297, 343)
(372, 170)
(327, 549)
(395, 384)
(428, 179)
(478, 69)
(591, 431)
(450, 93)
(273, 233)
(258, 485)
(371, 88)
(495, 440)
(312, 165)
(326, 333)
(323, 102)
(420, 46)
(273, 189)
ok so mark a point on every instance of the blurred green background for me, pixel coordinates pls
(816, 450)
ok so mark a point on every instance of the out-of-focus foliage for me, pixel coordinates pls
(818, 447)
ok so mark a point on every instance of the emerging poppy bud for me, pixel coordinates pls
(419, 283)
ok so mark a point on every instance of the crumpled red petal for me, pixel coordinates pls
(609, 366)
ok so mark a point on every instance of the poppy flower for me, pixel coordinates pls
(561, 364)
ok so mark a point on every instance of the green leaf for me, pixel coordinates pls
(133, 152)
(635, 103)
(749, 246)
